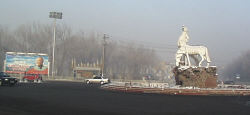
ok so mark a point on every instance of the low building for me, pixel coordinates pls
(87, 70)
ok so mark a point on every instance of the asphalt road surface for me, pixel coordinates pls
(74, 98)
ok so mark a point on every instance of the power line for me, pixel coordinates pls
(168, 47)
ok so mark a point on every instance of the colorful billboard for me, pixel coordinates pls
(26, 63)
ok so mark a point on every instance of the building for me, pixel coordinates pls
(87, 70)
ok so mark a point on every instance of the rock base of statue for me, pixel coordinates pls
(202, 77)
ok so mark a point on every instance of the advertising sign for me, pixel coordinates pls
(26, 63)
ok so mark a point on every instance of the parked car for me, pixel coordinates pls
(6, 79)
(229, 82)
(32, 78)
(97, 79)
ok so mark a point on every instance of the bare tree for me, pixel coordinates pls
(239, 66)
(127, 61)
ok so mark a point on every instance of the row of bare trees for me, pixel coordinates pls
(125, 59)
(239, 68)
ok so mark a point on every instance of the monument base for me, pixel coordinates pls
(202, 77)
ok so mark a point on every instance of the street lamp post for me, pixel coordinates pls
(55, 15)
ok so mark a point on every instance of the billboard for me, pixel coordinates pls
(26, 63)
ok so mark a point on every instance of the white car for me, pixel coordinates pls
(97, 79)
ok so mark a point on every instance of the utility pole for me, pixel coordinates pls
(55, 15)
(103, 53)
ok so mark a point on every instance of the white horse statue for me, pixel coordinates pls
(187, 50)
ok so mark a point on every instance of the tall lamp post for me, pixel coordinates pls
(55, 15)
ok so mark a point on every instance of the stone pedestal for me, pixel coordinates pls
(202, 77)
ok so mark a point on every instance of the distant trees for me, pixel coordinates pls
(239, 67)
(127, 61)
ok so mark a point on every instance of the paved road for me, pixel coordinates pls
(72, 98)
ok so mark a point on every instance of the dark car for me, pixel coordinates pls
(5, 79)
(229, 82)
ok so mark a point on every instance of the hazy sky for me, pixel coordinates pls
(221, 25)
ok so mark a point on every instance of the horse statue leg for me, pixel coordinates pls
(178, 58)
(202, 59)
(206, 56)
(189, 63)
